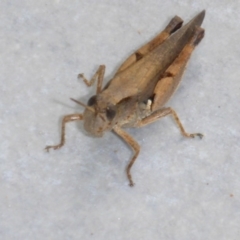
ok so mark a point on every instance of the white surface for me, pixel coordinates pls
(185, 188)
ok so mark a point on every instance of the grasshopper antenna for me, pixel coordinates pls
(82, 104)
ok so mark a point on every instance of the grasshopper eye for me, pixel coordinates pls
(92, 100)
(110, 113)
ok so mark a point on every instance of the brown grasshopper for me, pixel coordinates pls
(135, 96)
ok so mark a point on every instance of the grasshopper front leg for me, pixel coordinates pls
(67, 118)
(98, 75)
(135, 146)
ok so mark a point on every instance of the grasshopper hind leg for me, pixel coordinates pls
(168, 83)
(170, 80)
(172, 27)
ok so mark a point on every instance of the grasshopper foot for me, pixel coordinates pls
(131, 183)
(193, 135)
(54, 147)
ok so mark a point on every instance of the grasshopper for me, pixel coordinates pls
(137, 93)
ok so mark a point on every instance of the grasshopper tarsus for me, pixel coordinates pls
(198, 135)
(129, 176)
(47, 148)
(54, 147)
(193, 135)
(80, 75)
(131, 184)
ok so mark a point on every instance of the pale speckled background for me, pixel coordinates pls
(185, 188)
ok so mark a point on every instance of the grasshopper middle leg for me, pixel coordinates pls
(135, 146)
(162, 113)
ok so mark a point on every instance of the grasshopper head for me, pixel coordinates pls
(98, 120)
